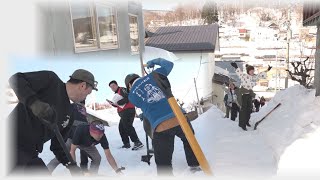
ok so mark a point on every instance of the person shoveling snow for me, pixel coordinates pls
(86, 137)
(149, 97)
(42, 114)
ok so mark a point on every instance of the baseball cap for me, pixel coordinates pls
(86, 76)
(97, 128)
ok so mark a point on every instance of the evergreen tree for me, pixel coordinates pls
(210, 12)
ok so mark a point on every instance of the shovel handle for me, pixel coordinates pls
(62, 143)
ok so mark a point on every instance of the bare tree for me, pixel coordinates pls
(303, 72)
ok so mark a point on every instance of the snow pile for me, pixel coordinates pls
(297, 116)
(153, 53)
(232, 152)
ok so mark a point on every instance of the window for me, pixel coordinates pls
(107, 27)
(94, 26)
(83, 26)
(134, 34)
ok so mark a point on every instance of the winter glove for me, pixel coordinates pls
(73, 168)
(119, 170)
(63, 159)
(141, 116)
(269, 68)
(151, 63)
(233, 64)
(44, 112)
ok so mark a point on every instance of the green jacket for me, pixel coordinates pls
(241, 91)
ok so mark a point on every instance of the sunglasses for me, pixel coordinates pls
(94, 85)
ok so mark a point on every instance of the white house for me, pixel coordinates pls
(195, 46)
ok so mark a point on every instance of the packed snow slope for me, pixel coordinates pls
(286, 139)
(292, 131)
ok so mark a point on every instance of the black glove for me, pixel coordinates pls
(74, 169)
(43, 111)
(269, 68)
(119, 170)
(141, 116)
(233, 64)
(63, 159)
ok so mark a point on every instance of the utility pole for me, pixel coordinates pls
(317, 63)
(288, 47)
(199, 106)
(276, 73)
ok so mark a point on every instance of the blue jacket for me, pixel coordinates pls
(147, 95)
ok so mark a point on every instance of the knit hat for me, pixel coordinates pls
(249, 68)
(97, 128)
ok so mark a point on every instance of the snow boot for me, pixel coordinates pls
(195, 169)
(244, 128)
(137, 145)
(248, 125)
(126, 146)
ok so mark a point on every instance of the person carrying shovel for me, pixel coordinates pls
(146, 94)
(42, 114)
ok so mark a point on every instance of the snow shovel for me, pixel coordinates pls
(147, 129)
(146, 158)
(257, 123)
(66, 151)
(164, 84)
(62, 143)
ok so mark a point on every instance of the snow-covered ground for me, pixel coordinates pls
(229, 150)
(286, 142)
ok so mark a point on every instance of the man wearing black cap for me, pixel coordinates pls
(44, 103)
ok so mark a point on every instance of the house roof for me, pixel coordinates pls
(311, 13)
(184, 38)
(221, 79)
(273, 25)
(242, 31)
(232, 72)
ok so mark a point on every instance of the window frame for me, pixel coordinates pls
(134, 52)
(95, 24)
(113, 7)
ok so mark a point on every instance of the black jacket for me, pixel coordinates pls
(79, 115)
(124, 94)
(31, 133)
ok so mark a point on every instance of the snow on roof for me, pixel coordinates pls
(219, 70)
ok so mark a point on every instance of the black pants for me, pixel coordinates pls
(163, 143)
(227, 111)
(126, 128)
(28, 163)
(257, 108)
(234, 111)
(245, 111)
